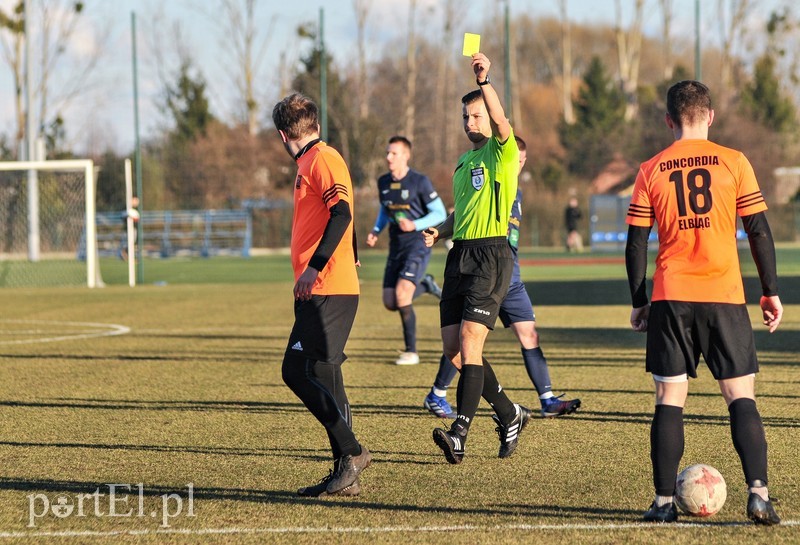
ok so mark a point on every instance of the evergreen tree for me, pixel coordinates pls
(762, 99)
(599, 119)
(188, 104)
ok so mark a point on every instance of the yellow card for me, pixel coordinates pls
(472, 44)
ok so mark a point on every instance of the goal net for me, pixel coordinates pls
(47, 224)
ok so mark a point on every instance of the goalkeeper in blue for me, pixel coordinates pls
(516, 312)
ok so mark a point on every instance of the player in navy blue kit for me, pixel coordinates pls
(516, 312)
(409, 204)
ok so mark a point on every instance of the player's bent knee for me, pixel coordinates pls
(293, 370)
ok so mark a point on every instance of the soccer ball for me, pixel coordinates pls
(700, 491)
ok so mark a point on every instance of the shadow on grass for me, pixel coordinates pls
(617, 292)
(290, 498)
(688, 419)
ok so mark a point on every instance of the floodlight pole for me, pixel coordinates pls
(30, 145)
(323, 78)
(137, 155)
(698, 61)
(508, 105)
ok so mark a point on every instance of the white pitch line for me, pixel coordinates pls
(108, 330)
(376, 530)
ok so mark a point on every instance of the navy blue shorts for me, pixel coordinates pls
(679, 332)
(322, 326)
(516, 307)
(408, 266)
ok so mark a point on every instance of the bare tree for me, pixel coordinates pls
(666, 11)
(444, 80)
(629, 49)
(56, 23)
(732, 29)
(566, 64)
(362, 8)
(411, 71)
(245, 43)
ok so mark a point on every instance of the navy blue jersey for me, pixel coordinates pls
(513, 232)
(407, 198)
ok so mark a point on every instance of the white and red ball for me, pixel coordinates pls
(700, 490)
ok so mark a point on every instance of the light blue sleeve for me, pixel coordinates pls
(380, 221)
(436, 215)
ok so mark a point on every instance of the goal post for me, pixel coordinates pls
(66, 215)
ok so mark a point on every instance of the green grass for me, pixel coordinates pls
(193, 394)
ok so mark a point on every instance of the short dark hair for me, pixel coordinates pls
(402, 140)
(471, 97)
(296, 115)
(687, 101)
(520, 143)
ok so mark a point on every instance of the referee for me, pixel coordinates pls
(694, 190)
(480, 264)
(326, 289)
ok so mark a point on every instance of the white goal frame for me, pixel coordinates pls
(71, 165)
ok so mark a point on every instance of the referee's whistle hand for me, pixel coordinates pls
(430, 235)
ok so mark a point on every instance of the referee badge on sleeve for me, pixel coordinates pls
(477, 178)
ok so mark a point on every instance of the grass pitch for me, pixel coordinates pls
(193, 394)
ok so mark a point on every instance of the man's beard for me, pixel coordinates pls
(476, 137)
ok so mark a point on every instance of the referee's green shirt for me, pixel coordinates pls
(484, 186)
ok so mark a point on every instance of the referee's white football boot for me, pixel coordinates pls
(509, 435)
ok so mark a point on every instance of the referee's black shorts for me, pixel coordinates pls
(679, 332)
(322, 326)
(476, 279)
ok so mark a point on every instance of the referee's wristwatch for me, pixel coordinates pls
(487, 81)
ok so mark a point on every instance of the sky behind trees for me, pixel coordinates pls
(101, 116)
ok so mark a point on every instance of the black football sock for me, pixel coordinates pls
(494, 394)
(421, 289)
(300, 376)
(536, 366)
(666, 447)
(409, 319)
(749, 439)
(468, 396)
(445, 375)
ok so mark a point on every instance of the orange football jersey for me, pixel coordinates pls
(693, 191)
(322, 181)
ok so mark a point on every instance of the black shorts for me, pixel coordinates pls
(476, 279)
(322, 326)
(678, 332)
(409, 266)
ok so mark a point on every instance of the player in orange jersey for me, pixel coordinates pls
(694, 190)
(326, 289)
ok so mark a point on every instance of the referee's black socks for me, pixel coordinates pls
(468, 396)
(493, 393)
